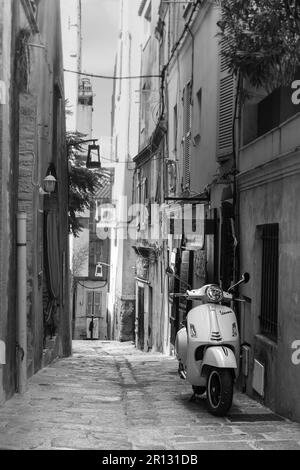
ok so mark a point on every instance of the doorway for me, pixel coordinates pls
(141, 314)
(96, 315)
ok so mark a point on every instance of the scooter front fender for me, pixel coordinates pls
(220, 357)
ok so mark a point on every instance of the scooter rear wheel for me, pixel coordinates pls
(219, 391)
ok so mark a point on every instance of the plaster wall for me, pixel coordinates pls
(126, 119)
(267, 198)
(205, 75)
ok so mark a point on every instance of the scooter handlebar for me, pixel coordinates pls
(178, 294)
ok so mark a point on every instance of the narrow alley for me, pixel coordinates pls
(111, 396)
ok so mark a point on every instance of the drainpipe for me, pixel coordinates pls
(21, 303)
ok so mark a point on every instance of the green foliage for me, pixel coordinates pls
(261, 40)
(83, 182)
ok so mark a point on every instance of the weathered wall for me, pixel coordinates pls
(27, 140)
(27, 130)
(270, 195)
(202, 68)
(8, 164)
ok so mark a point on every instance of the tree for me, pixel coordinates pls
(83, 182)
(261, 40)
(79, 258)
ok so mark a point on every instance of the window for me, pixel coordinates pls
(175, 129)
(269, 280)
(187, 134)
(199, 113)
(93, 303)
(145, 106)
(147, 24)
(144, 203)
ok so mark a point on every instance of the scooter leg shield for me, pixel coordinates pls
(221, 357)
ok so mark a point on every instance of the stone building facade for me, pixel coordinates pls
(33, 146)
(226, 179)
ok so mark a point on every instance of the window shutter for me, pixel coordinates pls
(226, 106)
(187, 135)
(89, 304)
(98, 299)
(143, 195)
(186, 275)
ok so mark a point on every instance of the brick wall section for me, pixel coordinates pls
(27, 140)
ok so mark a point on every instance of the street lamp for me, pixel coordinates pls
(99, 270)
(93, 159)
(49, 184)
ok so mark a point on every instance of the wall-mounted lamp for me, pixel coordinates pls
(49, 184)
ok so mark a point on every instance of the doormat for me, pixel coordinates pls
(253, 417)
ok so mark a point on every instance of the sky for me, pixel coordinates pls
(100, 27)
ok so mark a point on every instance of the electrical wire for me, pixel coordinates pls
(110, 77)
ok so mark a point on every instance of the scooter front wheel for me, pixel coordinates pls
(219, 391)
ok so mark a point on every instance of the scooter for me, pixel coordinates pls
(207, 347)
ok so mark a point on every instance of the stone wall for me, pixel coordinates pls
(27, 139)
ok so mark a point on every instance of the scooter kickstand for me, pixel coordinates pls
(193, 397)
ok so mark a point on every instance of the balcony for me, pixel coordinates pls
(280, 141)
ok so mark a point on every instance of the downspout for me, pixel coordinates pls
(193, 59)
(236, 135)
(21, 303)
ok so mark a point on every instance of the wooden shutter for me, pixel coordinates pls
(187, 135)
(226, 106)
(97, 303)
(89, 304)
(186, 274)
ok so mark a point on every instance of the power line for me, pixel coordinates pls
(107, 77)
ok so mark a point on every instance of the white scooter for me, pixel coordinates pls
(208, 347)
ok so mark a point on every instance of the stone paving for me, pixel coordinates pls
(110, 396)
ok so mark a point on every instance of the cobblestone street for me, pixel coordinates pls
(110, 396)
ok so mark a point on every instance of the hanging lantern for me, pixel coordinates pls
(49, 184)
(93, 158)
(99, 270)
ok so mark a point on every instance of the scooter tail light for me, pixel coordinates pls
(193, 331)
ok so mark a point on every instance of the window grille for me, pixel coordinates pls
(269, 280)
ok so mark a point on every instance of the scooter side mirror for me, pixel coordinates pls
(245, 278)
(169, 271)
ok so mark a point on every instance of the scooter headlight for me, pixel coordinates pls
(214, 293)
